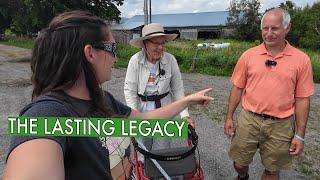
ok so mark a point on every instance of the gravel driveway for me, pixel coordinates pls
(15, 92)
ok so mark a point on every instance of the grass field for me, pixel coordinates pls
(218, 62)
(19, 42)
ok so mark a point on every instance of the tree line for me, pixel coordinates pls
(27, 17)
(244, 18)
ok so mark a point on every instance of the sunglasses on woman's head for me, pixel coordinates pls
(106, 46)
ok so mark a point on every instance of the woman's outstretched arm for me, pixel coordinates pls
(173, 109)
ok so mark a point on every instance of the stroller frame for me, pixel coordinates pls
(138, 165)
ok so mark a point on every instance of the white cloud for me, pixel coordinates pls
(131, 8)
(186, 6)
(172, 7)
(134, 2)
(135, 12)
(134, 7)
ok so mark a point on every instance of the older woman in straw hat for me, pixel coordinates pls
(153, 77)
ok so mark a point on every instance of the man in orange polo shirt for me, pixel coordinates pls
(274, 81)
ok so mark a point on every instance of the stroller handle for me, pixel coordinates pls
(191, 134)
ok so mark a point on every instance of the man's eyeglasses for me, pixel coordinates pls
(106, 46)
(158, 43)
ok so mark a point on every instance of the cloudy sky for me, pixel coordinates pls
(135, 7)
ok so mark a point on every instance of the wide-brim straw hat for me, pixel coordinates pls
(149, 31)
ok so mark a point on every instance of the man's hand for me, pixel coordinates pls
(190, 121)
(296, 147)
(234, 99)
(228, 127)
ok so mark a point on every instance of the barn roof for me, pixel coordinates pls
(216, 18)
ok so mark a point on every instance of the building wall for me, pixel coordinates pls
(189, 34)
(227, 32)
(205, 32)
(124, 36)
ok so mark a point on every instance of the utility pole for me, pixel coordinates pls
(147, 12)
(150, 12)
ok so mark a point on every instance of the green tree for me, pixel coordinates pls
(296, 16)
(288, 5)
(311, 36)
(305, 25)
(29, 16)
(5, 18)
(244, 17)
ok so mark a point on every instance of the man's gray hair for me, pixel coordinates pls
(285, 17)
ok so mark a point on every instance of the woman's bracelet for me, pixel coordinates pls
(299, 137)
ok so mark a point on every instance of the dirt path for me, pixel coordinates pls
(15, 91)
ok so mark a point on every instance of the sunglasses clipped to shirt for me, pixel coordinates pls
(270, 63)
(106, 46)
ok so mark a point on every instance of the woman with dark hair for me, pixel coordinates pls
(70, 60)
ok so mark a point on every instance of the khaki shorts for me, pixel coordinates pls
(271, 137)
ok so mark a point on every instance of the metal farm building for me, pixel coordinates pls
(189, 26)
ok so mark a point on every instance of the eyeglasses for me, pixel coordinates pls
(106, 46)
(158, 43)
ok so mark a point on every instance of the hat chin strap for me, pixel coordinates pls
(145, 48)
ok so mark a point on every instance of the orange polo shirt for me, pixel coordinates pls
(272, 89)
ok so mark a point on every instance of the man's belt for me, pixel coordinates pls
(155, 98)
(266, 116)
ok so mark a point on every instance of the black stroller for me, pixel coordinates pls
(174, 163)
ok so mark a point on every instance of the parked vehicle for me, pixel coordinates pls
(213, 45)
